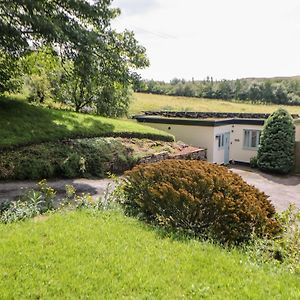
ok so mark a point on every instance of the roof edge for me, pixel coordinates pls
(197, 122)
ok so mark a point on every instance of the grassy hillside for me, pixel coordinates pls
(21, 123)
(144, 102)
(87, 254)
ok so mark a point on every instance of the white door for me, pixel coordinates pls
(226, 147)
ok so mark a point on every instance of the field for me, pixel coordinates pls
(88, 254)
(143, 102)
(21, 124)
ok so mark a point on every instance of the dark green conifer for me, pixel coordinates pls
(276, 151)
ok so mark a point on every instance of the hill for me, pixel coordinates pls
(144, 102)
(22, 124)
(90, 254)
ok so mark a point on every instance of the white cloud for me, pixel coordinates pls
(223, 39)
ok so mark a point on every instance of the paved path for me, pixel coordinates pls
(281, 189)
(11, 190)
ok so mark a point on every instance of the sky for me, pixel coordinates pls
(223, 39)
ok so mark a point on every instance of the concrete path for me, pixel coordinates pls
(281, 189)
(13, 189)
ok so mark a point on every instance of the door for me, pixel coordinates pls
(226, 147)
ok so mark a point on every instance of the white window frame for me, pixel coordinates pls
(247, 139)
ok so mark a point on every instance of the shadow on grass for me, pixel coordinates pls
(23, 124)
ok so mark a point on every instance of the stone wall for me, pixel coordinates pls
(210, 115)
(199, 154)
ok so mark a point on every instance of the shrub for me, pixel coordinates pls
(199, 197)
(43, 199)
(67, 159)
(253, 162)
(283, 249)
(276, 152)
(30, 204)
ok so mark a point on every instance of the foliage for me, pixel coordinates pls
(93, 54)
(113, 100)
(30, 204)
(73, 25)
(22, 124)
(253, 162)
(42, 69)
(39, 88)
(284, 249)
(44, 199)
(67, 159)
(84, 84)
(276, 152)
(10, 73)
(273, 90)
(19, 210)
(105, 253)
(199, 197)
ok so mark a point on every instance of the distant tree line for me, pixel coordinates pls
(274, 90)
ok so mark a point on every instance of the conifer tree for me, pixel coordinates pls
(276, 151)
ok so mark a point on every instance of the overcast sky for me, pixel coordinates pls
(224, 39)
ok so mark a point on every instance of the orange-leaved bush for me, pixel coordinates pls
(199, 197)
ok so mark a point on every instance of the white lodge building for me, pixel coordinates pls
(225, 136)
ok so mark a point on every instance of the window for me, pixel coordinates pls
(221, 139)
(251, 139)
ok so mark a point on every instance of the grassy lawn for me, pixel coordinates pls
(104, 255)
(143, 102)
(21, 123)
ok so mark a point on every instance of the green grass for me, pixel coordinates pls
(21, 123)
(144, 102)
(104, 255)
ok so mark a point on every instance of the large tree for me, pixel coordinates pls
(79, 31)
(67, 23)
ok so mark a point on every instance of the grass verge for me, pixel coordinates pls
(144, 102)
(105, 255)
(22, 124)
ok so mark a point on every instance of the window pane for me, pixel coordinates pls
(247, 138)
(254, 138)
(218, 138)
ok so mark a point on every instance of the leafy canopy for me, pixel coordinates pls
(26, 23)
(92, 53)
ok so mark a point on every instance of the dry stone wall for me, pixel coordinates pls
(199, 154)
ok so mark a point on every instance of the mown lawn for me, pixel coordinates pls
(104, 255)
(21, 123)
(143, 102)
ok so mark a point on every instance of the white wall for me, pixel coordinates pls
(297, 125)
(198, 136)
(205, 137)
(218, 154)
(237, 150)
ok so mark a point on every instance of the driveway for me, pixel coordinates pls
(281, 189)
(97, 188)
